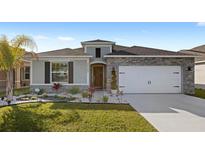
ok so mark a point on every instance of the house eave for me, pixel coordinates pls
(97, 43)
(125, 56)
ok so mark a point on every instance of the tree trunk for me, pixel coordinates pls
(9, 86)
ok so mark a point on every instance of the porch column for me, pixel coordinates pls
(18, 78)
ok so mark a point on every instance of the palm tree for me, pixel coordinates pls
(11, 57)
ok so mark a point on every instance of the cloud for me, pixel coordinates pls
(200, 23)
(65, 38)
(40, 37)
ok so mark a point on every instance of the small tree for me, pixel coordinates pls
(11, 57)
(114, 80)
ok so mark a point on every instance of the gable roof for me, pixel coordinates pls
(97, 41)
(117, 50)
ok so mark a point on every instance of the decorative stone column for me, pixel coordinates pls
(17, 78)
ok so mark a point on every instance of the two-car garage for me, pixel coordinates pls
(150, 79)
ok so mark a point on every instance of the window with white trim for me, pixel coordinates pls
(59, 72)
(27, 73)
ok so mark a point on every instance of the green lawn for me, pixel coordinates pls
(200, 93)
(19, 91)
(72, 117)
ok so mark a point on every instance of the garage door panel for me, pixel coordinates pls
(150, 79)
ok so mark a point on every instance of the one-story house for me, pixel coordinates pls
(21, 75)
(198, 51)
(138, 69)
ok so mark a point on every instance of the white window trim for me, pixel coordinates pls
(24, 73)
(51, 72)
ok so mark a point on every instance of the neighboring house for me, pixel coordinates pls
(21, 75)
(199, 64)
(138, 69)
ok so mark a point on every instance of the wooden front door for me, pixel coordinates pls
(98, 76)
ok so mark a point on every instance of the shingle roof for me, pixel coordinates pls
(64, 52)
(138, 50)
(197, 51)
(117, 50)
(199, 48)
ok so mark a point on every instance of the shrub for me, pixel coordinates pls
(105, 99)
(45, 95)
(56, 86)
(74, 90)
(84, 94)
(34, 98)
(61, 97)
(71, 98)
(39, 91)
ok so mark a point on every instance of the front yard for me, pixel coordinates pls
(72, 117)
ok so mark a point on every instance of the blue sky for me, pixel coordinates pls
(170, 36)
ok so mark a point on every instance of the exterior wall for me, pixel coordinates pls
(200, 75)
(187, 76)
(80, 71)
(104, 50)
(81, 75)
(38, 72)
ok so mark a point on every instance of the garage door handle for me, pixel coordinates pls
(176, 86)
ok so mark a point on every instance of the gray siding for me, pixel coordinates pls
(38, 72)
(187, 76)
(104, 51)
(80, 71)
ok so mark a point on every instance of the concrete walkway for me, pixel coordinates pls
(170, 112)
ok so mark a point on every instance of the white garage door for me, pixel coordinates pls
(150, 79)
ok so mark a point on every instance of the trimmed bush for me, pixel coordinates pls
(74, 90)
(84, 94)
(105, 99)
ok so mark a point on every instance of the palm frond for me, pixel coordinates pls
(6, 57)
(22, 41)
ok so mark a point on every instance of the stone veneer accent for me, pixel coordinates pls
(184, 62)
(64, 88)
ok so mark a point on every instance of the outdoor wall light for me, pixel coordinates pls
(189, 68)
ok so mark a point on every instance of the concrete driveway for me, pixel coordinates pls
(170, 112)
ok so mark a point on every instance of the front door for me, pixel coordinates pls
(98, 76)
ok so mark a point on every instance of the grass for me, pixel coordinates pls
(19, 91)
(200, 93)
(72, 117)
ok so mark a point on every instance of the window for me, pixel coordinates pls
(97, 52)
(27, 73)
(60, 72)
